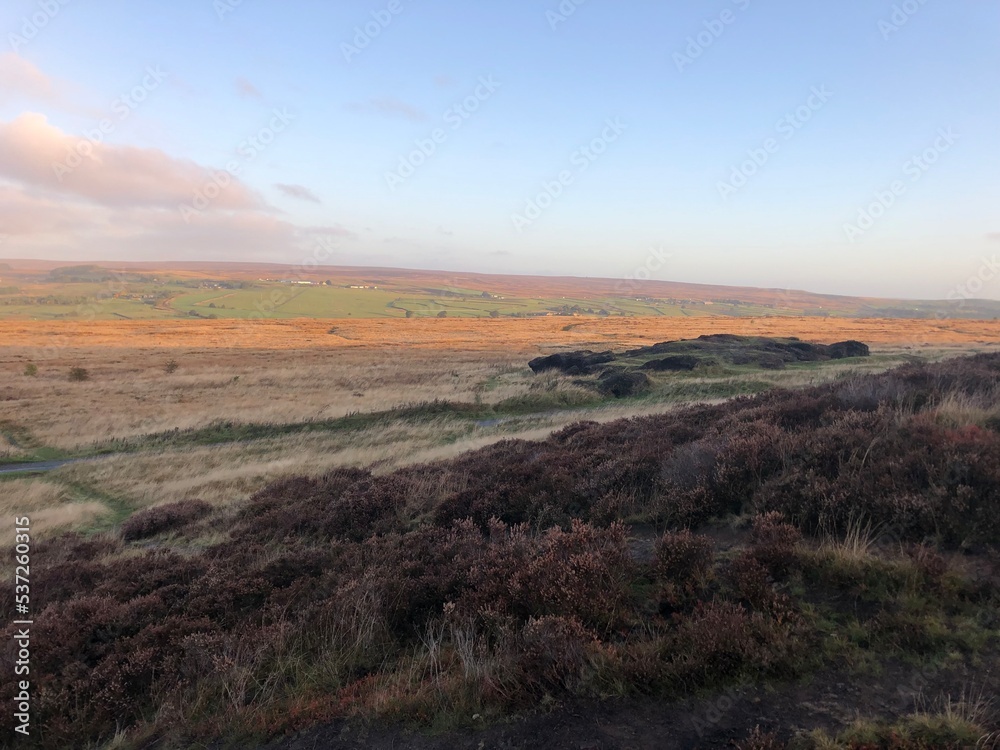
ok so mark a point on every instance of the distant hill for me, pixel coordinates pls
(395, 291)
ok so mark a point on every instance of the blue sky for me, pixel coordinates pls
(757, 143)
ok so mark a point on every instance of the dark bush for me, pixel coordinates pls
(851, 348)
(676, 363)
(771, 362)
(554, 652)
(163, 518)
(684, 559)
(571, 363)
(774, 542)
(623, 384)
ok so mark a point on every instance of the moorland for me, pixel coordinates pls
(385, 533)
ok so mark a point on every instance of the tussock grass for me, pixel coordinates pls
(959, 409)
(946, 722)
(856, 543)
(973, 706)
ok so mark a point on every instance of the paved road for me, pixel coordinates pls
(37, 466)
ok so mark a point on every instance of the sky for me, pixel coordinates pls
(845, 148)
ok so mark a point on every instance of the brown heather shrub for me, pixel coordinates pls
(325, 591)
(751, 452)
(163, 518)
(721, 642)
(753, 587)
(751, 582)
(774, 542)
(74, 547)
(758, 739)
(928, 561)
(555, 653)
(583, 573)
(684, 559)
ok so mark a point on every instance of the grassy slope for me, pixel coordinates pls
(399, 292)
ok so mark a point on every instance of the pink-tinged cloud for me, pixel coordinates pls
(298, 191)
(36, 153)
(42, 225)
(21, 79)
(329, 231)
(23, 214)
(389, 107)
(247, 89)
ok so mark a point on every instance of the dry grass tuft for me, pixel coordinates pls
(855, 545)
(972, 706)
(958, 409)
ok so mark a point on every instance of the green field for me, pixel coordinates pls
(149, 301)
(286, 301)
(96, 293)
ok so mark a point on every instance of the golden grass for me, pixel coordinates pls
(129, 393)
(478, 334)
(854, 546)
(49, 505)
(225, 474)
(292, 371)
(283, 372)
(958, 409)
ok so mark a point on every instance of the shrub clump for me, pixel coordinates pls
(163, 518)
(774, 542)
(683, 558)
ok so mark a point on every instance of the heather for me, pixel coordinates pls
(788, 530)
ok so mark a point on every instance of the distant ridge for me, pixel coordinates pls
(512, 285)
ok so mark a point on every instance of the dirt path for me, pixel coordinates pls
(34, 467)
(829, 700)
